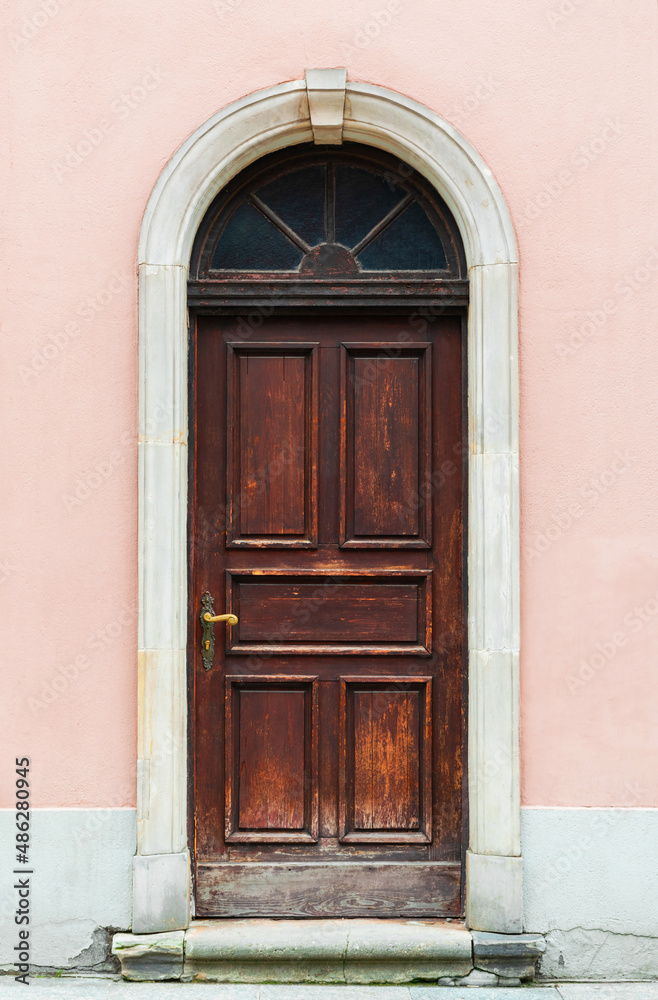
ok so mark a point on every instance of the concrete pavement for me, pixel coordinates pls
(64, 988)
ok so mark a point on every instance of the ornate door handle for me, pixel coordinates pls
(208, 618)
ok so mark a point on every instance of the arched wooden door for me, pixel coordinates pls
(327, 508)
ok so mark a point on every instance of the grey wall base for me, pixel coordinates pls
(329, 951)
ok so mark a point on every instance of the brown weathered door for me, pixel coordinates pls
(327, 514)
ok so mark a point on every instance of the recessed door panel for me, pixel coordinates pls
(386, 446)
(351, 614)
(386, 752)
(348, 889)
(271, 760)
(272, 445)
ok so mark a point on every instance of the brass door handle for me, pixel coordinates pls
(208, 618)
(231, 619)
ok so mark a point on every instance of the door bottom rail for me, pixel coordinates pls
(335, 950)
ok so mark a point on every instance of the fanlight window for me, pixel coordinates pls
(329, 214)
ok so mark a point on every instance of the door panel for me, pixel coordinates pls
(272, 445)
(385, 760)
(385, 445)
(271, 759)
(346, 614)
(348, 889)
(326, 502)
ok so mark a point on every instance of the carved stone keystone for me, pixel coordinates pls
(326, 104)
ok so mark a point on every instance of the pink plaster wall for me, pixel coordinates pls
(560, 100)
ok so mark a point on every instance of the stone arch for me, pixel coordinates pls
(326, 108)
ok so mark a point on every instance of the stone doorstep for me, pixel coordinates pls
(329, 951)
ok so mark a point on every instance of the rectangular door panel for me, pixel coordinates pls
(385, 774)
(385, 445)
(272, 401)
(355, 614)
(339, 889)
(271, 759)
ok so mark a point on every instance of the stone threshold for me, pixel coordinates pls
(359, 951)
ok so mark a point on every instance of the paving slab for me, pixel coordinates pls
(483, 993)
(307, 992)
(608, 991)
(76, 988)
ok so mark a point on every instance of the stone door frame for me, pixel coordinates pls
(326, 108)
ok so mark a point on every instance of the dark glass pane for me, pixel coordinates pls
(298, 199)
(410, 243)
(251, 243)
(362, 200)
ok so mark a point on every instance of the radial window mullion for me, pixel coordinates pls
(381, 226)
(279, 223)
(330, 203)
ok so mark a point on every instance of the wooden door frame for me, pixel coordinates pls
(353, 309)
(326, 108)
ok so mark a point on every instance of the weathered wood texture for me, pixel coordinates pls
(385, 447)
(385, 748)
(339, 890)
(271, 774)
(327, 513)
(272, 445)
(356, 613)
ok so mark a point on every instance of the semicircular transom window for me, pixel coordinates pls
(325, 215)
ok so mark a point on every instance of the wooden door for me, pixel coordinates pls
(327, 514)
